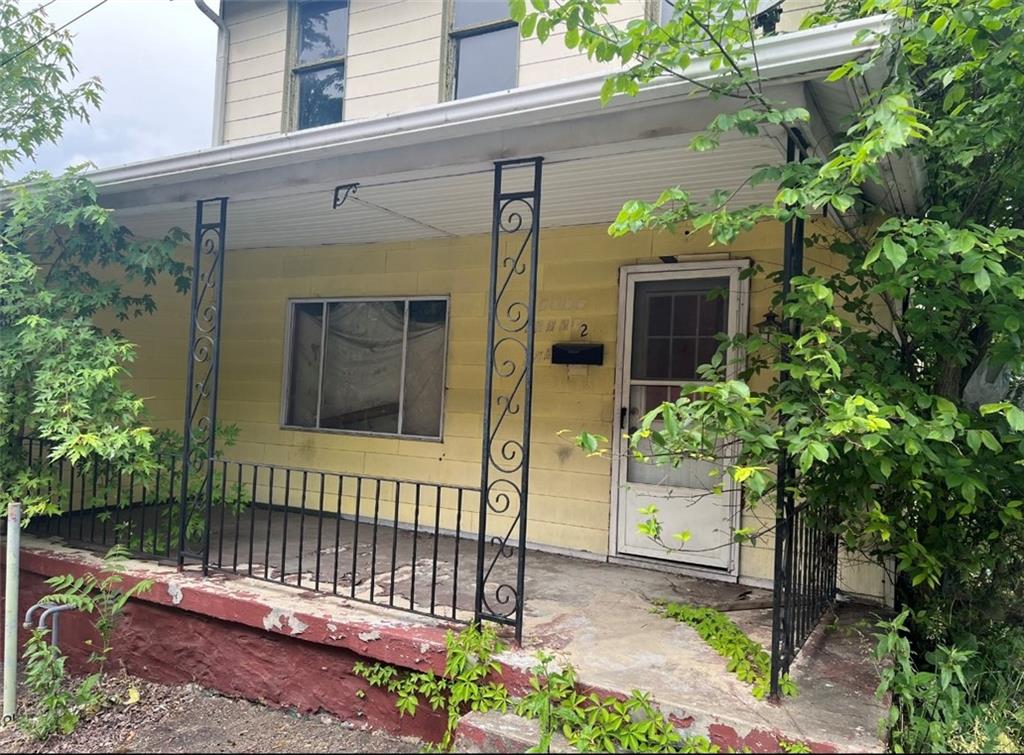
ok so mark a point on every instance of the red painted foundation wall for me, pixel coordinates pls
(173, 646)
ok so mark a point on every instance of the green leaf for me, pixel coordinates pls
(894, 252)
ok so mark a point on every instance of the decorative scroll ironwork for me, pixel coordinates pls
(505, 468)
(806, 552)
(342, 192)
(203, 366)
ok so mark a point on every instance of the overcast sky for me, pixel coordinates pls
(156, 61)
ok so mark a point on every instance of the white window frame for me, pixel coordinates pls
(450, 53)
(325, 301)
(294, 68)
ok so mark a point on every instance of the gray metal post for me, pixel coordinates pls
(11, 611)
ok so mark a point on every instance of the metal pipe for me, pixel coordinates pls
(11, 611)
(220, 92)
(55, 611)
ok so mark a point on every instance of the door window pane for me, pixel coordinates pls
(674, 327)
(689, 473)
(323, 31)
(363, 366)
(486, 62)
(321, 91)
(304, 377)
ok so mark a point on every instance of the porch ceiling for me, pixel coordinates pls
(579, 186)
(427, 173)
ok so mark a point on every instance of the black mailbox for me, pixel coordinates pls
(577, 353)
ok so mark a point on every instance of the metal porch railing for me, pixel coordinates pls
(403, 544)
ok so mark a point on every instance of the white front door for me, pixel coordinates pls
(668, 321)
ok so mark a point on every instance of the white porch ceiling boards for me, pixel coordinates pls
(578, 188)
(428, 172)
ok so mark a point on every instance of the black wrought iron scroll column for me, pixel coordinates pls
(201, 377)
(805, 549)
(508, 393)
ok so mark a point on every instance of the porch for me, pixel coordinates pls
(262, 640)
(445, 204)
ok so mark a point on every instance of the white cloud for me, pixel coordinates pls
(156, 61)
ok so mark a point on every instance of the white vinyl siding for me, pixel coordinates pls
(256, 68)
(394, 61)
(552, 61)
(394, 58)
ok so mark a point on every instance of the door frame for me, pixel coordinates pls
(738, 315)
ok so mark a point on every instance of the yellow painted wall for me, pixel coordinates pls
(578, 283)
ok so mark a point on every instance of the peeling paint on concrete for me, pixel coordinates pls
(369, 636)
(175, 591)
(278, 620)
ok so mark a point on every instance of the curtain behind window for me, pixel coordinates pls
(363, 366)
(307, 322)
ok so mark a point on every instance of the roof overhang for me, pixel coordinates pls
(426, 172)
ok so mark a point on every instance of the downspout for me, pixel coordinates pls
(220, 92)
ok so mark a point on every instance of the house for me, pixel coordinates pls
(406, 294)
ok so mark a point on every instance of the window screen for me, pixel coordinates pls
(373, 366)
(485, 46)
(674, 327)
(321, 43)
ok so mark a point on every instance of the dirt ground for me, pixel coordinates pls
(191, 719)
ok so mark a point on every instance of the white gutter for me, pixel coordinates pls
(797, 54)
(220, 89)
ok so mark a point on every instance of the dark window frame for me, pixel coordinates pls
(291, 305)
(455, 34)
(295, 69)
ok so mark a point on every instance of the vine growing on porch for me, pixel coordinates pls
(468, 682)
(587, 721)
(747, 659)
(899, 399)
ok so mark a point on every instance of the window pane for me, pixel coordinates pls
(660, 314)
(323, 31)
(684, 356)
(668, 7)
(304, 376)
(712, 315)
(706, 349)
(363, 366)
(424, 368)
(486, 62)
(474, 12)
(320, 96)
(684, 314)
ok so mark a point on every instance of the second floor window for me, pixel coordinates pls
(485, 47)
(318, 72)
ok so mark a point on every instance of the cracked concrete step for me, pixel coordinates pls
(502, 733)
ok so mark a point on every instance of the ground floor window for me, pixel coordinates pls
(367, 365)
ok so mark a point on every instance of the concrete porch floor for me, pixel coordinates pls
(596, 616)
